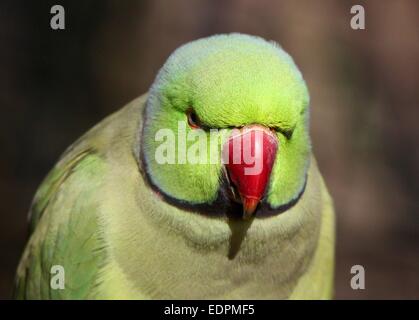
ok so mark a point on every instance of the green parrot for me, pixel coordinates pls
(130, 212)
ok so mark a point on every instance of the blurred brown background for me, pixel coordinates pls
(364, 86)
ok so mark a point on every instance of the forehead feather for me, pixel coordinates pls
(238, 72)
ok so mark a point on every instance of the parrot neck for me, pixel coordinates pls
(157, 250)
(151, 240)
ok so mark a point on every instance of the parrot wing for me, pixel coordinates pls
(67, 233)
(65, 218)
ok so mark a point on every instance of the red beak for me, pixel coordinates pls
(249, 155)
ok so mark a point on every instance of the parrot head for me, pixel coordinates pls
(226, 123)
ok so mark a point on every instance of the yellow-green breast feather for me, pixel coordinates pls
(124, 227)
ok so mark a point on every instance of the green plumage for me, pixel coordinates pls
(67, 232)
(116, 237)
(231, 81)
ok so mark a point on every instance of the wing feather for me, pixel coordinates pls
(65, 231)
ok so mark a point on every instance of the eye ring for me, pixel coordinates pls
(193, 119)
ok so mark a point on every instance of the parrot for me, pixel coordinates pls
(136, 209)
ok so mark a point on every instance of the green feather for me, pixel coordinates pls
(67, 233)
(97, 216)
(230, 81)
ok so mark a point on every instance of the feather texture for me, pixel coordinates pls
(97, 216)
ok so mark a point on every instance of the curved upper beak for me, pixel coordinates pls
(249, 155)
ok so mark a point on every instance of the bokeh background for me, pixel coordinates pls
(364, 84)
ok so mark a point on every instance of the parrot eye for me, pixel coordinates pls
(193, 120)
